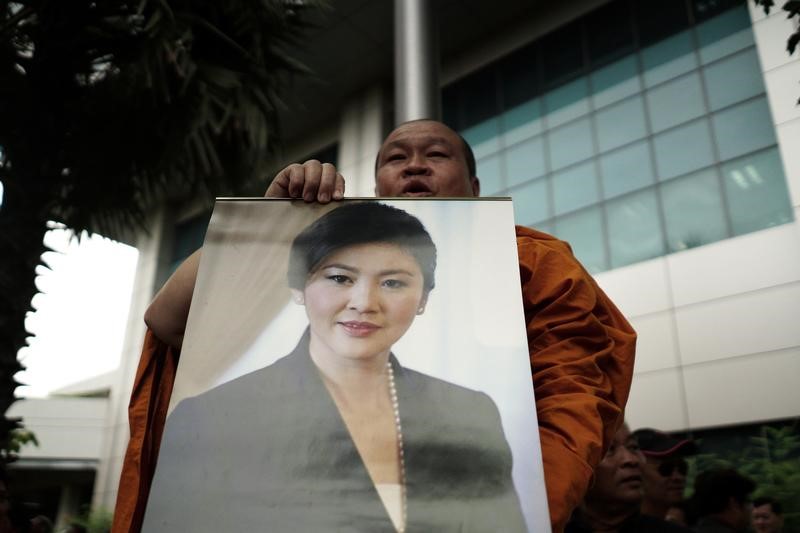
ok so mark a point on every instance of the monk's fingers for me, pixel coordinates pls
(312, 177)
(327, 183)
(338, 190)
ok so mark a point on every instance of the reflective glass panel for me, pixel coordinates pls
(734, 79)
(522, 121)
(683, 149)
(615, 82)
(725, 33)
(570, 144)
(755, 187)
(620, 124)
(531, 202)
(693, 210)
(525, 161)
(743, 128)
(567, 102)
(490, 173)
(483, 137)
(668, 59)
(584, 232)
(574, 188)
(609, 31)
(626, 169)
(675, 102)
(634, 232)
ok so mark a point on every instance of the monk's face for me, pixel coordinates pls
(424, 158)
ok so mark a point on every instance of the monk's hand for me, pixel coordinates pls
(312, 181)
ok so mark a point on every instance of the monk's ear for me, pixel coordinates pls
(298, 297)
(476, 186)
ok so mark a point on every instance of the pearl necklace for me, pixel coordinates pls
(400, 454)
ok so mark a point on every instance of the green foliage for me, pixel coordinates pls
(15, 437)
(771, 459)
(96, 521)
(107, 108)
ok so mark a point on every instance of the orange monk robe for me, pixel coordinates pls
(581, 352)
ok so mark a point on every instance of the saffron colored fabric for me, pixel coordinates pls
(581, 353)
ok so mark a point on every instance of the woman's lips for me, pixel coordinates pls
(359, 329)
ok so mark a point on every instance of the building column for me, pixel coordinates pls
(416, 61)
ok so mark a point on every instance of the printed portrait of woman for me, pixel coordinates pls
(339, 435)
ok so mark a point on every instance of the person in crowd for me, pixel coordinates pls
(612, 502)
(338, 435)
(665, 469)
(41, 524)
(722, 499)
(581, 347)
(5, 506)
(767, 515)
(679, 514)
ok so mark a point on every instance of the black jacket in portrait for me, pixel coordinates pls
(269, 451)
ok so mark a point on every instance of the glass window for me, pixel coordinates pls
(627, 169)
(620, 124)
(705, 9)
(675, 102)
(657, 19)
(525, 161)
(756, 191)
(483, 137)
(584, 232)
(634, 232)
(522, 121)
(743, 128)
(570, 144)
(531, 202)
(724, 34)
(574, 188)
(188, 236)
(562, 52)
(568, 102)
(609, 31)
(518, 75)
(615, 82)
(683, 149)
(693, 210)
(734, 79)
(479, 97)
(668, 59)
(490, 173)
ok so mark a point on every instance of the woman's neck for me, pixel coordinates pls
(354, 380)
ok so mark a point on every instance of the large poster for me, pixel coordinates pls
(360, 366)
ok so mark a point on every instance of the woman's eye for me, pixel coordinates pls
(395, 157)
(437, 154)
(338, 278)
(394, 284)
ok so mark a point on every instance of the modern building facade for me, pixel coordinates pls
(659, 138)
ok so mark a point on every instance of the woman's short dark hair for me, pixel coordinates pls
(360, 223)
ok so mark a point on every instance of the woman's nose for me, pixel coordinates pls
(364, 297)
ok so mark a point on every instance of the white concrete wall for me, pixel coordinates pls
(718, 337)
(360, 137)
(66, 428)
(116, 432)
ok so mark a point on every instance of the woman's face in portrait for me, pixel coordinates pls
(361, 300)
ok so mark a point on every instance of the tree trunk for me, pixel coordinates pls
(23, 222)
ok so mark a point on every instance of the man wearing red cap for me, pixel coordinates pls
(664, 471)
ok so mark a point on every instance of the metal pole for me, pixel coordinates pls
(416, 61)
